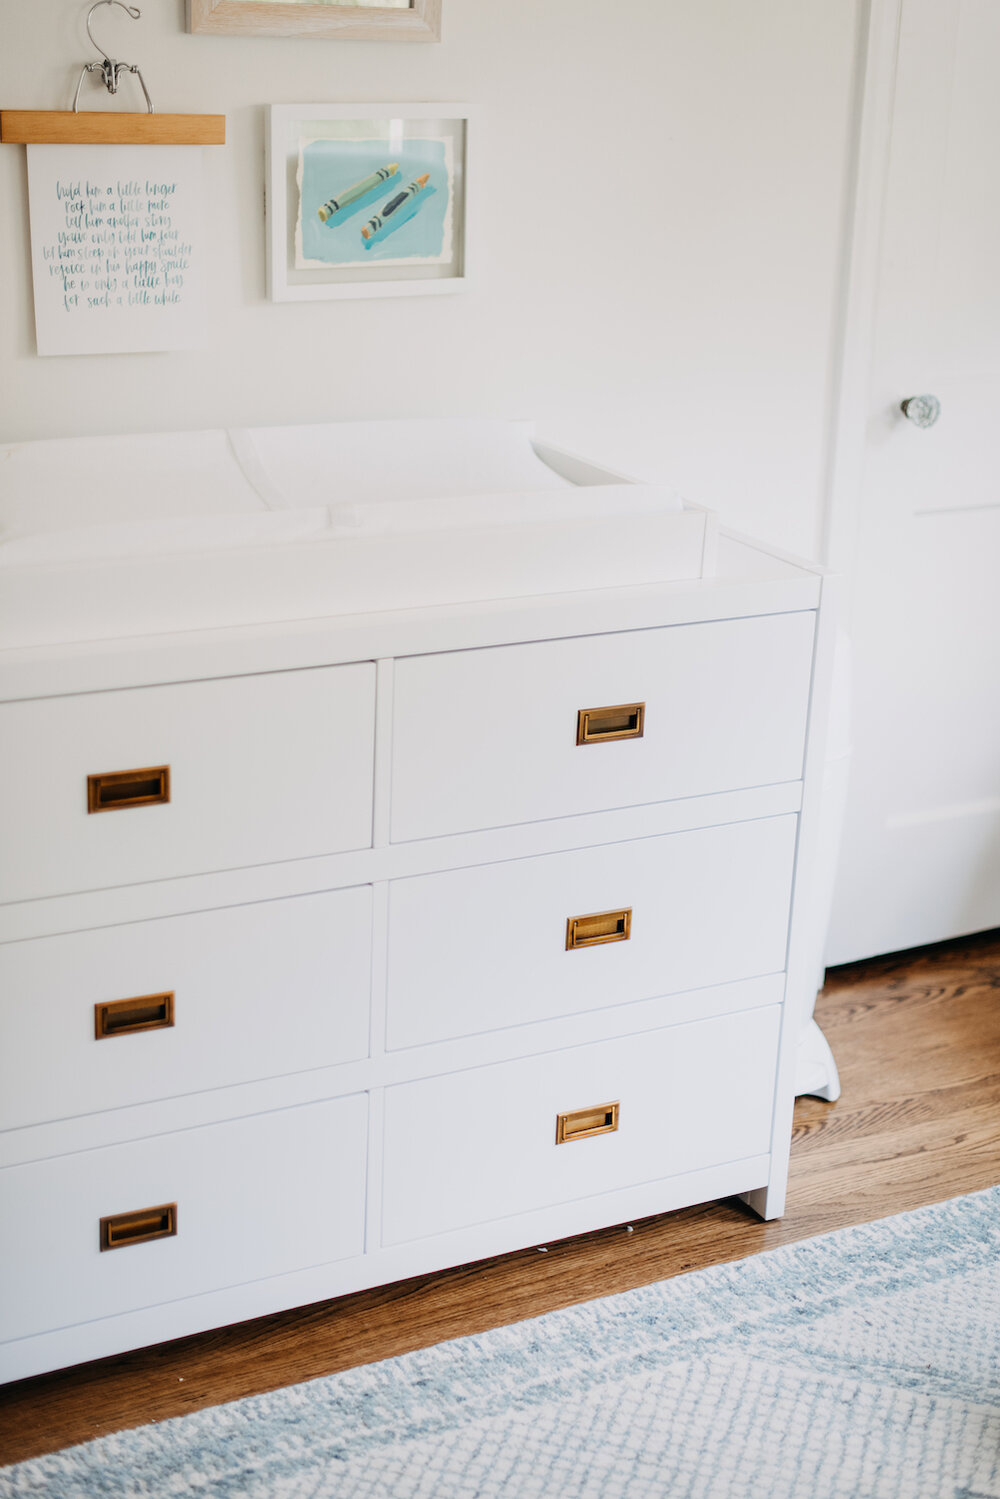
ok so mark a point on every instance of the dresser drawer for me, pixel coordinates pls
(481, 1145)
(97, 1020)
(480, 949)
(254, 1197)
(488, 738)
(259, 768)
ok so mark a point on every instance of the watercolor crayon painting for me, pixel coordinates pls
(376, 197)
(366, 200)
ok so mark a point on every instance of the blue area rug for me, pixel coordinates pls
(863, 1364)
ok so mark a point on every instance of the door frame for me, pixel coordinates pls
(877, 54)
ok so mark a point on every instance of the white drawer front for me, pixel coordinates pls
(255, 1197)
(488, 738)
(480, 949)
(481, 1145)
(261, 768)
(257, 991)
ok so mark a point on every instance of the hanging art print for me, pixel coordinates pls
(117, 248)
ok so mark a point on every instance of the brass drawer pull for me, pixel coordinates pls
(602, 926)
(583, 1123)
(115, 790)
(599, 725)
(126, 1017)
(122, 1229)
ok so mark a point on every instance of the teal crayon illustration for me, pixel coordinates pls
(393, 206)
(357, 190)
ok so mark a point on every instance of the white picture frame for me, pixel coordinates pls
(413, 159)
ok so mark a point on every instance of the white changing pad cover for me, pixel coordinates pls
(94, 499)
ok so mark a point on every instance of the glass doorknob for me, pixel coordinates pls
(922, 411)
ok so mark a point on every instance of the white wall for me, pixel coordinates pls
(655, 249)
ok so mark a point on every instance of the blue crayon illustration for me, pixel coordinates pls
(393, 206)
(357, 190)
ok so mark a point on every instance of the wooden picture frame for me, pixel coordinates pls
(419, 21)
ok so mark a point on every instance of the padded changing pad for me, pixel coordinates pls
(170, 493)
(105, 538)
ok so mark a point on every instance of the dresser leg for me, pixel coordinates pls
(767, 1202)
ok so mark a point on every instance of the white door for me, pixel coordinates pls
(921, 850)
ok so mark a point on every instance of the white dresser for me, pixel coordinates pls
(337, 950)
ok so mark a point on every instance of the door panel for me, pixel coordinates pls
(921, 859)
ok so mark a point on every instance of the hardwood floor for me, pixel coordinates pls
(917, 1040)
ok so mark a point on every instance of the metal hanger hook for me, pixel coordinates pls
(131, 10)
(110, 69)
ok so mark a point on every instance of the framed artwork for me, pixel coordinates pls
(346, 20)
(366, 200)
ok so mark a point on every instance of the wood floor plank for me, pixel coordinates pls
(917, 1041)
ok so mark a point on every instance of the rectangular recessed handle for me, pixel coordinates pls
(115, 790)
(582, 1124)
(126, 1017)
(601, 926)
(139, 1227)
(599, 725)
